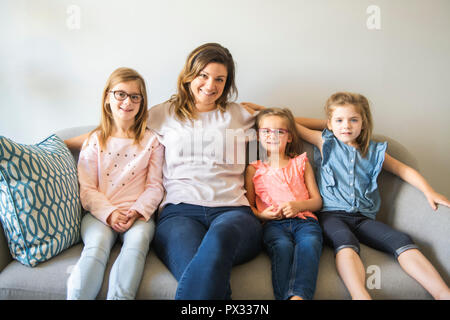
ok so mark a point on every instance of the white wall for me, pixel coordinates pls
(288, 52)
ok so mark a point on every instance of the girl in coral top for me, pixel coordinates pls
(283, 193)
(120, 175)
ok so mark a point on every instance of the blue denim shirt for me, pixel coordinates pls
(346, 180)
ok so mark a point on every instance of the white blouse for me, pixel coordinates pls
(204, 158)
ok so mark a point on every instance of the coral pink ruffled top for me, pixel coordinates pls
(274, 186)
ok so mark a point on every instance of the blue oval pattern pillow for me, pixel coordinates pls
(40, 206)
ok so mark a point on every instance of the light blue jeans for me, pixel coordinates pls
(86, 279)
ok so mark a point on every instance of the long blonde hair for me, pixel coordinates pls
(361, 105)
(183, 102)
(293, 148)
(105, 129)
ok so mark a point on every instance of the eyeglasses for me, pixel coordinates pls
(277, 132)
(122, 95)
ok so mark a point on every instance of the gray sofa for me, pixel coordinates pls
(403, 207)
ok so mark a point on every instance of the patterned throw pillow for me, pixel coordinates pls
(40, 206)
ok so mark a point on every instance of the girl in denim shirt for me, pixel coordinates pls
(348, 165)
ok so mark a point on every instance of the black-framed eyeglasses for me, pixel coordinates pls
(122, 95)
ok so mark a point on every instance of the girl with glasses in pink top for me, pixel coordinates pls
(283, 193)
(120, 175)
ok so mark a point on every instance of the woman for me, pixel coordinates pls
(206, 225)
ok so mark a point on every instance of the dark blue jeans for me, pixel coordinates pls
(345, 230)
(200, 245)
(294, 246)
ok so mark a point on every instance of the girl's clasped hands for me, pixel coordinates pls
(122, 221)
(286, 210)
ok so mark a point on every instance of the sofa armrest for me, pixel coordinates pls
(5, 256)
(405, 208)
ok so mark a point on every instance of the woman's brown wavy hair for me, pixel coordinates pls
(183, 102)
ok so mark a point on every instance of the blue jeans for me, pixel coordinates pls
(294, 246)
(86, 278)
(200, 245)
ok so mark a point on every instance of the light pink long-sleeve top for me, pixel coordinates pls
(122, 176)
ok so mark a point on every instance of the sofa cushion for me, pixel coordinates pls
(48, 280)
(251, 280)
(40, 208)
(385, 279)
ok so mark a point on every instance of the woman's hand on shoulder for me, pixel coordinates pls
(252, 107)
